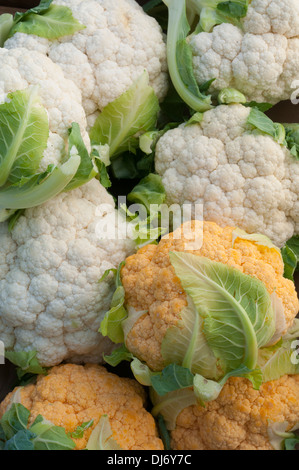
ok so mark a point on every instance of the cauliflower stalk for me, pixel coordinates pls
(197, 316)
(44, 143)
(118, 43)
(248, 45)
(239, 165)
(81, 407)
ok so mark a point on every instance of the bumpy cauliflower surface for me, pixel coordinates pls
(240, 418)
(240, 177)
(106, 57)
(71, 395)
(261, 59)
(152, 286)
(51, 300)
(20, 69)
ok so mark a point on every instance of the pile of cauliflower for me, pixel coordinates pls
(203, 312)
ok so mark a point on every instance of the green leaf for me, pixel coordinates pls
(179, 56)
(42, 7)
(111, 325)
(291, 443)
(26, 361)
(22, 440)
(172, 377)
(292, 139)
(230, 96)
(118, 355)
(52, 22)
(290, 262)
(40, 188)
(14, 419)
(236, 308)
(142, 373)
(50, 437)
(121, 122)
(24, 134)
(186, 345)
(76, 146)
(282, 358)
(6, 23)
(164, 434)
(103, 175)
(149, 191)
(101, 437)
(263, 107)
(293, 244)
(234, 9)
(265, 125)
(79, 431)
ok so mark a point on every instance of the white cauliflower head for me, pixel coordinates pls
(20, 69)
(51, 300)
(242, 178)
(261, 59)
(119, 42)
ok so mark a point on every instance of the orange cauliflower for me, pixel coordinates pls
(152, 287)
(241, 418)
(74, 394)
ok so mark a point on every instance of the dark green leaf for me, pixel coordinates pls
(290, 262)
(26, 361)
(234, 9)
(14, 420)
(291, 443)
(164, 433)
(172, 377)
(22, 440)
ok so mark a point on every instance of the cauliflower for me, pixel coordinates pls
(252, 46)
(22, 68)
(51, 300)
(162, 299)
(240, 175)
(106, 57)
(71, 395)
(44, 141)
(241, 418)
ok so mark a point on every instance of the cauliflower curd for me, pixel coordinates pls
(106, 57)
(241, 177)
(260, 58)
(71, 395)
(152, 287)
(51, 300)
(241, 418)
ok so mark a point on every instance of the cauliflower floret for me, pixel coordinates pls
(71, 395)
(106, 57)
(261, 60)
(51, 300)
(241, 178)
(60, 97)
(151, 285)
(240, 418)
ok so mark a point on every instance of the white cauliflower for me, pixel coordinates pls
(241, 176)
(259, 57)
(106, 57)
(51, 300)
(20, 69)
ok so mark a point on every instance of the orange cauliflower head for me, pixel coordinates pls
(153, 289)
(74, 394)
(241, 418)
